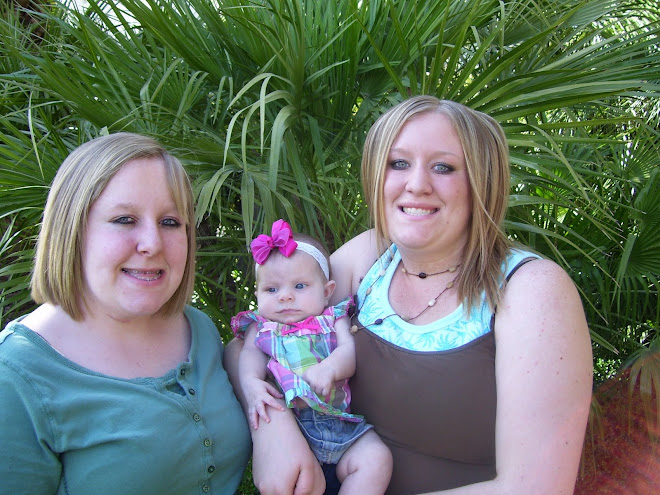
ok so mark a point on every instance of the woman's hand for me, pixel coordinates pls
(282, 463)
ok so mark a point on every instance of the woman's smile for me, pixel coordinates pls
(146, 275)
(417, 211)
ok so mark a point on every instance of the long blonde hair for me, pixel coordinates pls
(487, 160)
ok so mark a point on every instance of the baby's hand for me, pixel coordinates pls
(258, 394)
(321, 378)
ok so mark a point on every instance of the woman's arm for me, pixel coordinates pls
(544, 380)
(350, 263)
(282, 463)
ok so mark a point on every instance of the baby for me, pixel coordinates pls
(309, 350)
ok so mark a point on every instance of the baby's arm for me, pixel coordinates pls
(252, 376)
(338, 365)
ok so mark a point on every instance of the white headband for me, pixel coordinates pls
(316, 254)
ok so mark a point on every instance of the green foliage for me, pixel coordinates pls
(268, 102)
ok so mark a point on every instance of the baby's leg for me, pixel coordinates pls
(366, 467)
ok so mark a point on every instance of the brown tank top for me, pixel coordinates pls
(434, 410)
(452, 443)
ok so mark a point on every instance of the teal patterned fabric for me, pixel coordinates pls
(449, 332)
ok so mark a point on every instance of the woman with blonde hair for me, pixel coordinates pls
(473, 355)
(113, 384)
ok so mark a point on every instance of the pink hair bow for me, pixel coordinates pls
(281, 237)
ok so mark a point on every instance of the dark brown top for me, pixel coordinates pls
(452, 443)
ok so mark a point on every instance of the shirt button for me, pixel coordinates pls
(191, 391)
(206, 488)
(207, 442)
(197, 417)
(211, 469)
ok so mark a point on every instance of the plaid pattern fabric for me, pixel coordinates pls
(294, 348)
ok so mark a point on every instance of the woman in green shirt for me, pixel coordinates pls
(113, 384)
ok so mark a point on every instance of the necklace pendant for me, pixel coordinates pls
(354, 329)
(432, 302)
(424, 275)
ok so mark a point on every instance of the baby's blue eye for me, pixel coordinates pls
(272, 290)
(300, 285)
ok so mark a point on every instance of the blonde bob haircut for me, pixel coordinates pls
(487, 159)
(57, 277)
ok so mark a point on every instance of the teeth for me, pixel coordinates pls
(417, 211)
(146, 275)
